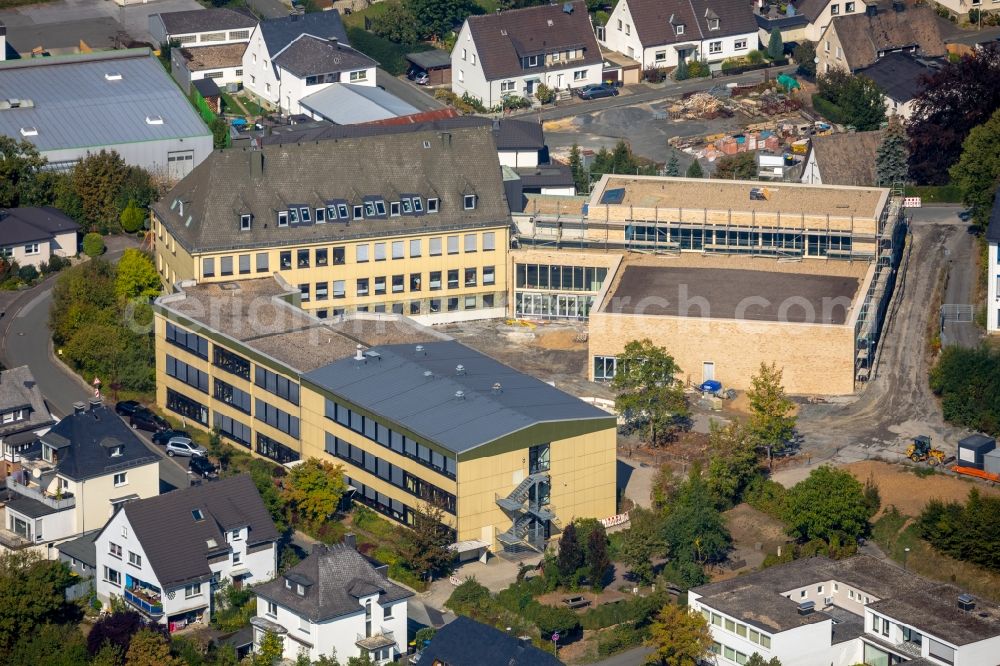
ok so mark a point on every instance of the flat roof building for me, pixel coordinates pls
(72, 106)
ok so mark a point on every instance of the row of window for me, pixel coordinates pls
(738, 628)
(567, 278)
(231, 429)
(232, 363)
(370, 208)
(401, 444)
(115, 550)
(569, 306)
(192, 342)
(848, 8)
(643, 235)
(398, 284)
(729, 653)
(276, 384)
(277, 418)
(276, 451)
(385, 470)
(184, 406)
(188, 374)
(418, 307)
(232, 396)
(356, 76)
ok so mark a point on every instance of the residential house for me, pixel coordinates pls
(30, 236)
(961, 9)
(166, 555)
(291, 57)
(465, 641)
(74, 477)
(843, 159)
(661, 33)
(855, 42)
(202, 27)
(993, 269)
(900, 76)
(80, 557)
(802, 20)
(223, 64)
(513, 52)
(336, 602)
(859, 609)
(23, 415)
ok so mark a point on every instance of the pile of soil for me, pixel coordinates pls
(900, 487)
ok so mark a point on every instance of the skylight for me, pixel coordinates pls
(197, 514)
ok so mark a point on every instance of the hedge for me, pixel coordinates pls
(828, 109)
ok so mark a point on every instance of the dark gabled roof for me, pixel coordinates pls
(513, 134)
(503, 39)
(335, 578)
(652, 19)
(18, 390)
(28, 225)
(206, 87)
(899, 75)
(395, 385)
(81, 548)
(847, 158)
(177, 545)
(308, 55)
(206, 20)
(546, 175)
(864, 37)
(85, 441)
(427, 164)
(993, 229)
(466, 641)
(280, 32)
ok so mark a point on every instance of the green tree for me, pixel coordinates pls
(621, 160)
(673, 165)
(646, 387)
(363, 660)
(136, 276)
(424, 548)
(733, 461)
(132, 218)
(33, 592)
(771, 422)
(150, 648)
(893, 154)
(93, 244)
(395, 23)
(827, 502)
(20, 170)
(695, 170)
(741, 166)
(98, 180)
(681, 71)
(571, 556)
(977, 171)
(805, 58)
(580, 178)
(270, 650)
(314, 490)
(263, 475)
(598, 560)
(693, 529)
(220, 133)
(775, 47)
(641, 542)
(433, 19)
(858, 98)
(51, 645)
(757, 660)
(679, 637)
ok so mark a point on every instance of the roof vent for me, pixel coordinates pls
(359, 355)
(503, 31)
(113, 76)
(79, 408)
(459, 395)
(550, 22)
(460, 369)
(428, 374)
(966, 602)
(568, 8)
(29, 131)
(154, 120)
(807, 607)
(419, 349)
(497, 388)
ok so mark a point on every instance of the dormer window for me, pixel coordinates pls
(320, 215)
(407, 206)
(713, 24)
(342, 211)
(47, 453)
(394, 209)
(470, 202)
(369, 209)
(300, 589)
(331, 212)
(197, 515)
(418, 205)
(245, 222)
(293, 216)
(359, 212)
(288, 584)
(380, 208)
(282, 218)
(116, 451)
(531, 61)
(305, 215)
(432, 205)
(680, 29)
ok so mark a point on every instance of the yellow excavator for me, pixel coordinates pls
(921, 450)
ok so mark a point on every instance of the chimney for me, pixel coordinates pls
(459, 395)
(358, 354)
(351, 541)
(966, 602)
(256, 165)
(79, 408)
(95, 403)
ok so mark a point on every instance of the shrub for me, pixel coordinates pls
(27, 273)
(755, 57)
(56, 264)
(828, 109)
(767, 496)
(619, 639)
(654, 74)
(638, 610)
(543, 93)
(93, 244)
(968, 382)
(511, 102)
(698, 69)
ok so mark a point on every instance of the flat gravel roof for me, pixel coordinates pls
(733, 294)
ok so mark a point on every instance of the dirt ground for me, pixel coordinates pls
(755, 534)
(908, 492)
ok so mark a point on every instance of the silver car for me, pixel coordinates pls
(182, 446)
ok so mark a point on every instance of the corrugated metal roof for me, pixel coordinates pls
(347, 104)
(75, 105)
(457, 409)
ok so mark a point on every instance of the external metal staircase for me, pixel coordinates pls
(528, 506)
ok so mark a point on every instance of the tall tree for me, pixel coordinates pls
(829, 501)
(132, 218)
(733, 461)
(571, 556)
(425, 547)
(116, 629)
(693, 529)
(641, 542)
(646, 387)
(580, 177)
(150, 648)
(977, 172)
(805, 58)
(51, 645)
(893, 154)
(33, 591)
(20, 169)
(757, 660)
(98, 180)
(434, 19)
(860, 101)
(771, 422)
(956, 98)
(136, 276)
(598, 559)
(695, 170)
(673, 165)
(270, 650)
(775, 47)
(314, 490)
(679, 637)
(395, 23)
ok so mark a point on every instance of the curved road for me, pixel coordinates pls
(25, 340)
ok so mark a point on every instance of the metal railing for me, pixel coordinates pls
(66, 501)
(147, 606)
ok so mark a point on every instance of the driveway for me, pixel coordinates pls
(406, 91)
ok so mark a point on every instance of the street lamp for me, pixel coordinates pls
(906, 552)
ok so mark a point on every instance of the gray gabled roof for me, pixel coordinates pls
(81, 548)
(418, 389)
(18, 390)
(206, 20)
(466, 641)
(346, 104)
(427, 164)
(308, 56)
(26, 225)
(334, 578)
(280, 32)
(178, 546)
(899, 75)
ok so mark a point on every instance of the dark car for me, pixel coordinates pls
(164, 436)
(203, 467)
(127, 407)
(596, 91)
(143, 419)
(418, 76)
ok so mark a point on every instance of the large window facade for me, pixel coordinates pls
(739, 240)
(188, 374)
(188, 341)
(276, 451)
(276, 384)
(276, 418)
(230, 362)
(537, 288)
(186, 407)
(231, 429)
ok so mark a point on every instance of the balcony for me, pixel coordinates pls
(58, 502)
(146, 600)
(377, 641)
(770, 16)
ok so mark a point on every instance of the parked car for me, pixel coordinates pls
(127, 407)
(143, 419)
(203, 467)
(183, 446)
(418, 76)
(597, 91)
(164, 436)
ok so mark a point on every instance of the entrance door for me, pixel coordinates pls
(559, 82)
(707, 371)
(529, 87)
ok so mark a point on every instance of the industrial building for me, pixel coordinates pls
(413, 223)
(413, 416)
(124, 101)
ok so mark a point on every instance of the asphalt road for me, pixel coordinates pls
(26, 341)
(634, 657)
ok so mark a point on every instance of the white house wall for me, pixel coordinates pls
(258, 74)
(626, 41)
(292, 89)
(518, 158)
(229, 75)
(467, 77)
(992, 282)
(814, 30)
(150, 155)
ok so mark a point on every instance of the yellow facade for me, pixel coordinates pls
(422, 274)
